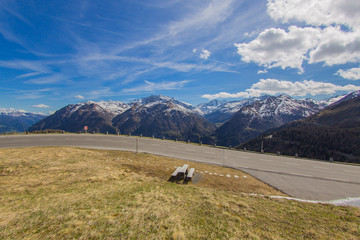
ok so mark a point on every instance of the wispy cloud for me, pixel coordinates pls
(40, 106)
(51, 79)
(79, 97)
(352, 73)
(151, 86)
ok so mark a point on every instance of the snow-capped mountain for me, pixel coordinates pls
(206, 108)
(154, 115)
(332, 132)
(220, 111)
(262, 115)
(96, 115)
(111, 107)
(164, 116)
(12, 120)
(170, 103)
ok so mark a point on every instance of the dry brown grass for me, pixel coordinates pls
(72, 193)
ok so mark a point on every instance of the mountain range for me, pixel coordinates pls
(158, 116)
(221, 122)
(12, 120)
(334, 132)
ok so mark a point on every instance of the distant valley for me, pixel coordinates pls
(12, 120)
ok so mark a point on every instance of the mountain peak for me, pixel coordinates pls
(155, 98)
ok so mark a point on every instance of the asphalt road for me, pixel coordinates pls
(299, 178)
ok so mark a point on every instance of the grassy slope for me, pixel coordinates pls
(66, 193)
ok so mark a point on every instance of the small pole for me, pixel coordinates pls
(188, 141)
(262, 146)
(140, 135)
(137, 146)
(223, 157)
(153, 137)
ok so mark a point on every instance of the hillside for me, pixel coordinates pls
(219, 112)
(254, 119)
(160, 116)
(333, 132)
(71, 193)
(12, 120)
(73, 118)
(164, 117)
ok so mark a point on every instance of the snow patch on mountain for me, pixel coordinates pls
(17, 112)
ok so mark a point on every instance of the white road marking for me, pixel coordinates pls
(154, 144)
(299, 174)
(294, 164)
(321, 168)
(190, 149)
(351, 171)
(265, 160)
(337, 179)
(242, 157)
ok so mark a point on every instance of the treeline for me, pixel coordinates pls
(311, 141)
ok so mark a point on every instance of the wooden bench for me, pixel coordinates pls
(183, 171)
(190, 174)
(175, 173)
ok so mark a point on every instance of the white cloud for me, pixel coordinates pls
(150, 86)
(262, 71)
(316, 13)
(336, 47)
(352, 73)
(274, 87)
(79, 97)
(325, 41)
(205, 54)
(41, 106)
(276, 47)
(194, 50)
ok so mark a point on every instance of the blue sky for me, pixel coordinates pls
(53, 53)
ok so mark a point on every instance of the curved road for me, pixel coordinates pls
(299, 178)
